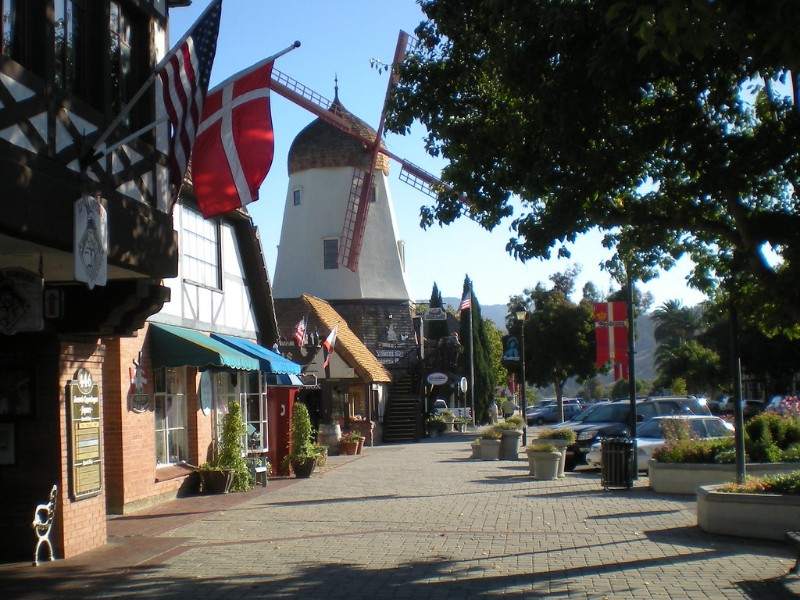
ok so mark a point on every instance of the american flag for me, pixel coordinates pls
(466, 301)
(184, 83)
(299, 334)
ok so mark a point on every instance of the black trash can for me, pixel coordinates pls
(618, 468)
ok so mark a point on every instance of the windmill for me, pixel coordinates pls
(355, 218)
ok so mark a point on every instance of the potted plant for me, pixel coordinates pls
(543, 460)
(490, 443)
(436, 426)
(322, 454)
(760, 507)
(509, 440)
(476, 448)
(302, 453)
(561, 439)
(349, 442)
(449, 418)
(227, 469)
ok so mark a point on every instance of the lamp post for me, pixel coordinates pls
(521, 313)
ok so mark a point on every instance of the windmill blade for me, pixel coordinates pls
(354, 227)
(362, 184)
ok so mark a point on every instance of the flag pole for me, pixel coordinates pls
(471, 359)
(254, 67)
(94, 155)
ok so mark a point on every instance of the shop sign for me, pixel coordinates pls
(437, 378)
(86, 465)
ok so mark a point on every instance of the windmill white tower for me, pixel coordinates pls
(322, 162)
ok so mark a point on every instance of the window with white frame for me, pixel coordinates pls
(250, 392)
(201, 249)
(172, 440)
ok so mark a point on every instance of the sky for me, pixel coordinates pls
(338, 39)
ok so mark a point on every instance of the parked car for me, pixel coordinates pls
(613, 418)
(750, 406)
(549, 413)
(651, 436)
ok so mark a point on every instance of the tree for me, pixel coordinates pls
(675, 323)
(484, 377)
(673, 127)
(495, 338)
(437, 329)
(559, 336)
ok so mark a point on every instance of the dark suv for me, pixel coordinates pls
(612, 418)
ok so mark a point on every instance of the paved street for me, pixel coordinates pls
(418, 521)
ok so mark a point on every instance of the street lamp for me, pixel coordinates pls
(520, 312)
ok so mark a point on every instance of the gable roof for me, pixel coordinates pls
(348, 346)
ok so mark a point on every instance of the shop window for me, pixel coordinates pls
(170, 412)
(250, 392)
(330, 249)
(201, 250)
(68, 16)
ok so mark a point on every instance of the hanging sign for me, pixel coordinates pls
(20, 301)
(90, 242)
(437, 378)
(611, 332)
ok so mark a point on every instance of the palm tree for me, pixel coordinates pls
(675, 323)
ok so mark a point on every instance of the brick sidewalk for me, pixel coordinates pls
(418, 521)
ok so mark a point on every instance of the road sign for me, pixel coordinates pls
(435, 314)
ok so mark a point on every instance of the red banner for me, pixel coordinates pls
(611, 333)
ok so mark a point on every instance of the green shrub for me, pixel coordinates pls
(539, 447)
(507, 425)
(557, 434)
(692, 451)
(231, 448)
(516, 420)
(492, 433)
(783, 483)
(677, 429)
(437, 424)
(792, 453)
(726, 457)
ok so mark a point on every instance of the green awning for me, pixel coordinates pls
(172, 346)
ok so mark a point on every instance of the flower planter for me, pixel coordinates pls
(685, 478)
(764, 516)
(476, 449)
(561, 446)
(490, 449)
(215, 481)
(348, 447)
(543, 465)
(509, 444)
(304, 468)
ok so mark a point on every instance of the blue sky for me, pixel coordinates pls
(339, 37)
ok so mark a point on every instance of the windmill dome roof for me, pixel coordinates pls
(321, 144)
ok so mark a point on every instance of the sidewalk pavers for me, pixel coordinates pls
(421, 521)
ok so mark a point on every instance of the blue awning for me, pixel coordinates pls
(269, 361)
(283, 380)
(172, 346)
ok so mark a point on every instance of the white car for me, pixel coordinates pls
(650, 435)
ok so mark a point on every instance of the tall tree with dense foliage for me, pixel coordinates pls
(436, 330)
(559, 335)
(485, 378)
(672, 126)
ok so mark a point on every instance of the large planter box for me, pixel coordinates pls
(684, 478)
(764, 516)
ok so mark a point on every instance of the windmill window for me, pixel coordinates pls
(373, 194)
(330, 250)
(297, 196)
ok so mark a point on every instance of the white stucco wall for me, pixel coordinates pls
(320, 215)
(227, 310)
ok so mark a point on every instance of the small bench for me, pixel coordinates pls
(42, 522)
(793, 537)
(259, 468)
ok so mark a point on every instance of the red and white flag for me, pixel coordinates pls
(611, 332)
(328, 344)
(234, 148)
(466, 301)
(184, 83)
(299, 334)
